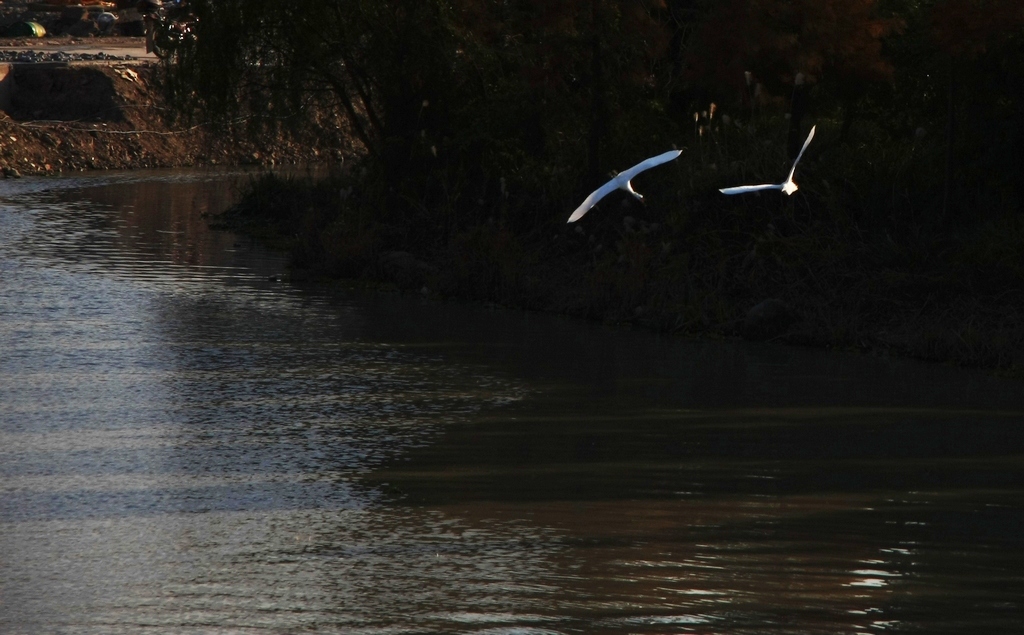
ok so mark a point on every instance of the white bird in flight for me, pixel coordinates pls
(787, 186)
(621, 182)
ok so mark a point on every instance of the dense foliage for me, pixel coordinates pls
(551, 94)
(485, 122)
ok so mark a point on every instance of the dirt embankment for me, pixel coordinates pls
(61, 118)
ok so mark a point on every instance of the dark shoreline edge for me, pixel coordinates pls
(955, 302)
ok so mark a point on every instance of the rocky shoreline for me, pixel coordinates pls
(34, 57)
(87, 96)
(115, 115)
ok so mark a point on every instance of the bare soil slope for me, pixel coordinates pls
(103, 116)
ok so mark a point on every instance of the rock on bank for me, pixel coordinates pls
(67, 117)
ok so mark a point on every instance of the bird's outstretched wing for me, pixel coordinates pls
(621, 179)
(787, 186)
(743, 189)
(647, 164)
(592, 200)
(807, 142)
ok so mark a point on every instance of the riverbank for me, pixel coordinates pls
(116, 115)
(954, 298)
(690, 265)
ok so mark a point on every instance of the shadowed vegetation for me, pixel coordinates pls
(484, 123)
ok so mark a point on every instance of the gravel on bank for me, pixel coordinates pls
(116, 116)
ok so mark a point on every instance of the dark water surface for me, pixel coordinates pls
(188, 446)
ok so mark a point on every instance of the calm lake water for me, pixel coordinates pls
(189, 446)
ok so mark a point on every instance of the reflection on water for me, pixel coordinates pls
(188, 446)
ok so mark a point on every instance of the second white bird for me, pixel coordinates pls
(787, 186)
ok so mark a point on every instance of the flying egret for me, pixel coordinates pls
(787, 186)
(621, 182)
